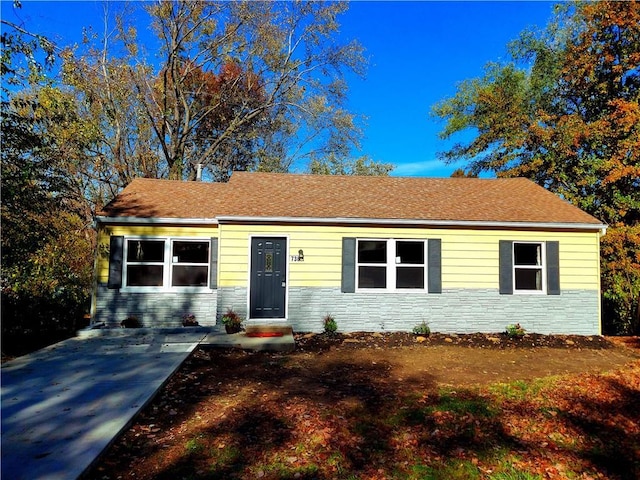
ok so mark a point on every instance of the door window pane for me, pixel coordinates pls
(372, 277)
(268, 262)
(410, 277)
(372, 251)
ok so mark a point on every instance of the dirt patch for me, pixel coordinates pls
(468, 359)
(392, 406)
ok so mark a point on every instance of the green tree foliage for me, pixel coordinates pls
(231, 86)
(24, 54)
(460, 173)
(46, 245)
(332, 165)
(566, 113)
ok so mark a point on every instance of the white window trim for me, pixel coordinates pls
(168, 264)
(542, 267)
(391, 266)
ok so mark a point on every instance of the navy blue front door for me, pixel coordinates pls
(268, 277)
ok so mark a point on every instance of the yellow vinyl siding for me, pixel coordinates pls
(105, 231)
(469, 257)
(161, 231)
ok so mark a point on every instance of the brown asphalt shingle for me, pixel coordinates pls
(151, 198)
(317, 196)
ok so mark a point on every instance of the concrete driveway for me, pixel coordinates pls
(63, 405)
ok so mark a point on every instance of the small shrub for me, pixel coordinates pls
(131, 322)
(189, 320)
(515, 331)
(232, 321)
(422, 329)
(330, 324)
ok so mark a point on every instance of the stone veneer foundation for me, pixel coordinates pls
(452, 311)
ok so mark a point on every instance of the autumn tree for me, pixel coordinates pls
(102, 85)
(230, 91)
(461, 173)
(231, 86)
(566, 113)
(46, 237)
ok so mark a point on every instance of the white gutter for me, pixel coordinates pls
(436, 223)
(158, 220)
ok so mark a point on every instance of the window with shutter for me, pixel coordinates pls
(391, 265)
(529, 267)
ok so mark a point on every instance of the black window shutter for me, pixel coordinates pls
(116, 247)
(213, 265)
(553, 268)
(435, 265)
(348, 265)
(506, 267)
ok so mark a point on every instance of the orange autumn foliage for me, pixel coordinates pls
(570, 122)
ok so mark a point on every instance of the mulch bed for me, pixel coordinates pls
(319, 342)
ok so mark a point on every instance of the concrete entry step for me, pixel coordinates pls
(266, 330)
(282, 343)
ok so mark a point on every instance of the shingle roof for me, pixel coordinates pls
(272, 195)
(151, 198)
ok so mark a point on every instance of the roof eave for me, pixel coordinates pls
(356, 221)
(155, 220)
(420, 222)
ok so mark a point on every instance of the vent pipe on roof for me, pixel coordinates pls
(199, 172)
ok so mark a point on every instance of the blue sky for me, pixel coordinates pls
(418, 52)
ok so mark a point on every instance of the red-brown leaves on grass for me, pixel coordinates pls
(352, 410)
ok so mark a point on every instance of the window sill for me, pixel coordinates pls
(388, 290)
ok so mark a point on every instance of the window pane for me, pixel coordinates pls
(527, 254)
(189, 276)
(528, 279)
(410, 277)
(145, 250)
(144, 275)
(372, 251)
(268, 261)
(410, 252)
(372, 277)
(191, 252)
